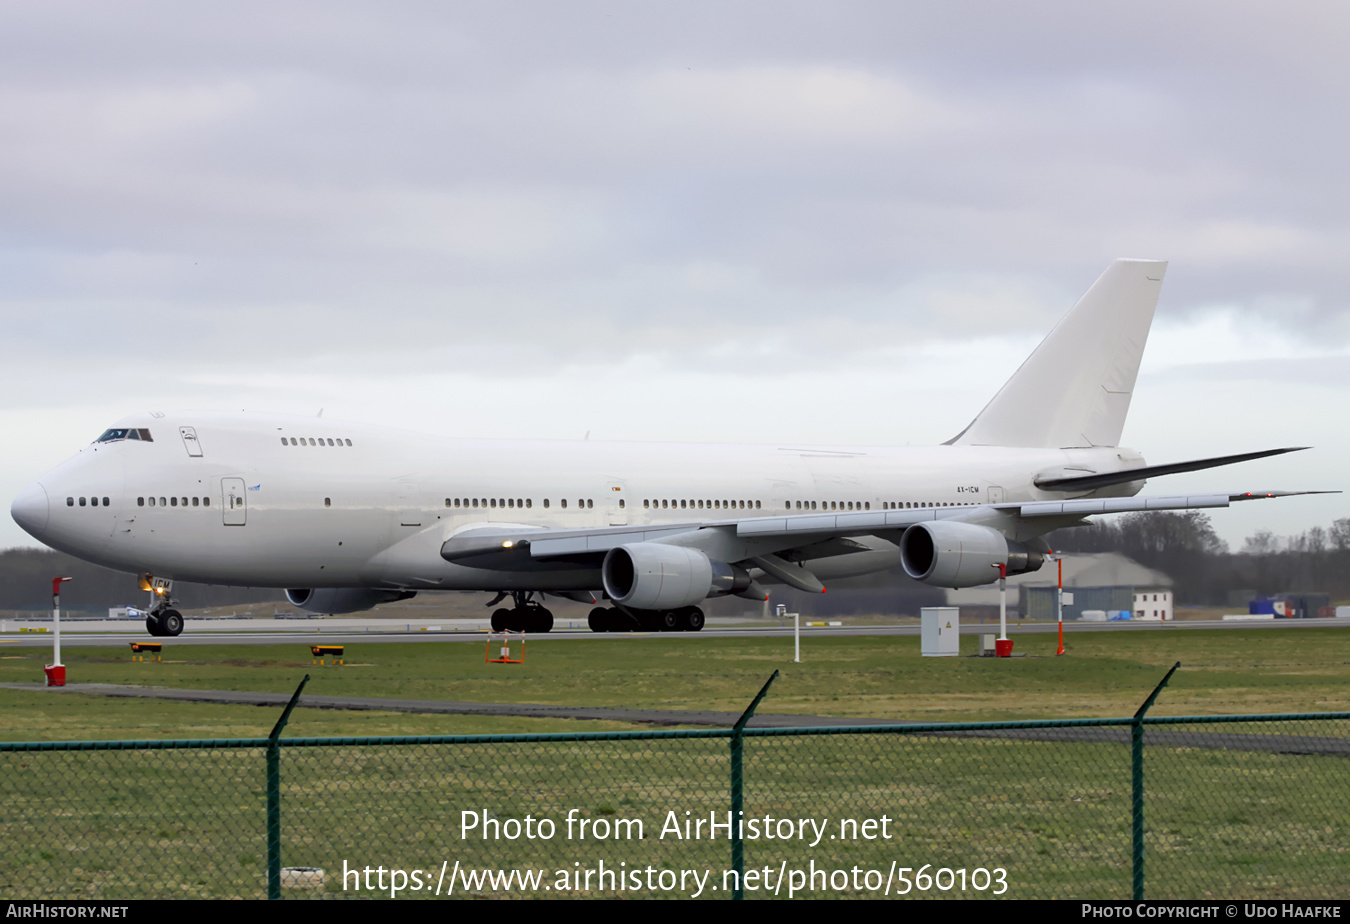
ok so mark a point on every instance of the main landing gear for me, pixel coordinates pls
(526, 616)
(161, 620)
(684, 619)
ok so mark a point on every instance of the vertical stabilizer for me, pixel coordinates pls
(1074, 390)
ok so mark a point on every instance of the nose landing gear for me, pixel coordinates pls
(162, 620)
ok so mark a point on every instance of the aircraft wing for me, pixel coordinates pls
(757, 541)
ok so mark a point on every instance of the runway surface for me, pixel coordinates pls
(351, 631)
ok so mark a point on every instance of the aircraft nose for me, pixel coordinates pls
(31, 510)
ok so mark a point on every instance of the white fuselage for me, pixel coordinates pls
(309, 502)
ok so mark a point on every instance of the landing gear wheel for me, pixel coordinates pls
(170, 623)
(536, 619)
(501, 620)
(152, 625)
(669, 621)
(598, 620)
(691, 619)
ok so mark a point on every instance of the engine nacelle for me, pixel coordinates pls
(962, 554)
(653, 576)
(343, 599)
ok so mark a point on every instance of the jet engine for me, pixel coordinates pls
(654, 576)
(343, 599)
(962, 554)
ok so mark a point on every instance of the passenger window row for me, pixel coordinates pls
(92, 502)
(313, 441)
(490, 502)
(666, 503)
(175, 502)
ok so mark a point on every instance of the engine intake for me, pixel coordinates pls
(654, 576)
(962, 554)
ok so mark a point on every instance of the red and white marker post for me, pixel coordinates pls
(1059, 603)
(56, 671)
(1003, 645)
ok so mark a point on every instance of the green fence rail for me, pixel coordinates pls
(1232, 806)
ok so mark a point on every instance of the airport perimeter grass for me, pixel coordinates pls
(1104, 674)
(1055, 815)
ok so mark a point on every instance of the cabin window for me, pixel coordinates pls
(529, 502)
(328, 502)
(173, 502)
(196, 501)
(564, 503)
(283, 441)
(140, 502)
(70, 502)
(621, 505)
(348, 442)
(546, 503)
(494, 502)
(206, 502)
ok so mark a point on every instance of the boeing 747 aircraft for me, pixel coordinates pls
(346, 517)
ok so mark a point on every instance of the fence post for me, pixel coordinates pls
(1137, 784)
(274, 797)
(737, 847)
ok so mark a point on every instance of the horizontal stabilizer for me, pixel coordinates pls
(1092, 482)
(1089, 506)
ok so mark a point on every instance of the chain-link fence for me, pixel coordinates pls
(1196, 807)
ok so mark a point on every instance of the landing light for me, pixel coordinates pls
(507, 544)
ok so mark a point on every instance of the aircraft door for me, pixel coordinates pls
(232, 501)
(190, 441)
(407, 495)
(617, 506)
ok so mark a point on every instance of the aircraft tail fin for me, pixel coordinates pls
(1075, 388)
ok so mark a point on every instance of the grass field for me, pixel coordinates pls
(1104, 674)
(1055, 815)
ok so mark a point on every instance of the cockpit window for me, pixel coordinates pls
(123, 433)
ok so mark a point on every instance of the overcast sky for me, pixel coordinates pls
(834, 223)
